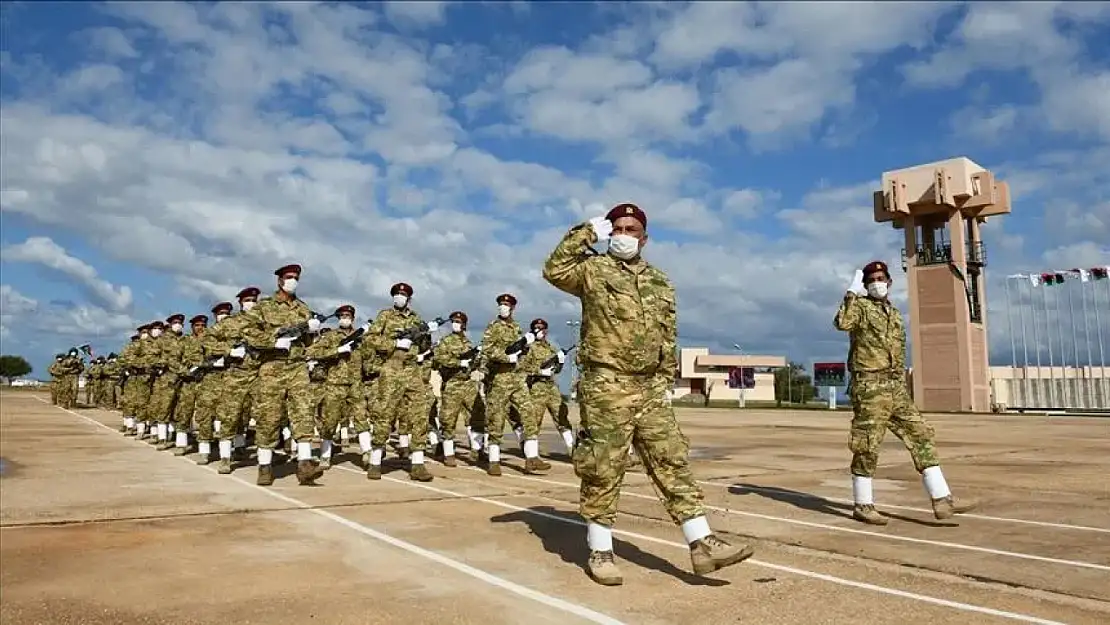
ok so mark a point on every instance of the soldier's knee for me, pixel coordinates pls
(864, 464)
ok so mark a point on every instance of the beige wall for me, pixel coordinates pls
(1051, 387)
(695, 364)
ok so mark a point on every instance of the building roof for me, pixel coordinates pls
(738, 360)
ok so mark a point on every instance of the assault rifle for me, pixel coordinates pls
(416, 332)
(519, 346)
(554, 360)
(295, 331)
(471, 354)
(357, 337)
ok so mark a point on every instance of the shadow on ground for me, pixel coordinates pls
(571, 546)
(814, 503)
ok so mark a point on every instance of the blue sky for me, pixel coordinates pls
(159, 157)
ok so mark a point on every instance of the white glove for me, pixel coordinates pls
(529, 338)
(513, 358)
(343, 349)
(283, 343)
(432, 326)
(313, 324)
(238, 352)
(311, 365)
(477, 376)
(193, 370)
(464, 363)
(219, 364)
(420, 358)
(547, 373)
(562, 356)
(602, 227)
(404, 344)
(857, 284)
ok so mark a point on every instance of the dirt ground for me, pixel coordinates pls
(101, 529)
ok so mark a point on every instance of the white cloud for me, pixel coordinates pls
(45, 252)
(418, 12)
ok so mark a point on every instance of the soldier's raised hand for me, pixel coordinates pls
(602, 227)
(857, 284)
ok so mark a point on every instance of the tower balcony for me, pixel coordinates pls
(941, 254)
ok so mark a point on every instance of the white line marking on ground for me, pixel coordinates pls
(967, 607)
(493, 580)
(847, 530)
(982, 517)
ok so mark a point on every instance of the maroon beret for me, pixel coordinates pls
(199, 319)
(345, 308)
(627, 210)
(401, 288)
(223, 307)
(178, 317)
(459, 316)
(250, 291)
(875, 265)
(506, 298)
(288, 269)
(537, 322)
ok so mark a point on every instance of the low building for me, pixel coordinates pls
(719, 377)
(1050, 388)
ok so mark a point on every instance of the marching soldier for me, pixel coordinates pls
(505, 385)
(542, 364)
(880, 400)
(628, 350)
(340, 362)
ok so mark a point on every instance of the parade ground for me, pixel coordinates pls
(103, 529)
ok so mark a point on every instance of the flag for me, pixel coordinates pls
(1100, 273)
(86, 348)
(1016, 276)
(1035, 279)
(1083, 274)
(1050, 279)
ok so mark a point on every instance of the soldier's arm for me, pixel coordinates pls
(565, 268)
(448, 352)
(324, 346)
(175, 356)
(848, 315)
(494, 343)
(254, 329)
(530, 362)
(669, 311)
(376, 337)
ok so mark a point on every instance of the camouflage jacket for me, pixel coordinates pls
(629, 310)
(381, 340)
(876, 332)
(222, 336)
(192, 351)
(447, 354)
(339, 368)
(170, 354)
(72, 366)
(540, 351)
(499, 334)
(261, 325)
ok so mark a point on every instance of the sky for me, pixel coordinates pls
(159, 157)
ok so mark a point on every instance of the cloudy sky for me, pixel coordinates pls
(159, 157)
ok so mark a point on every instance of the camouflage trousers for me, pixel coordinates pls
(507, 391)
(361, 416)
(420, 409)
(207, 404)
(55, 384)
(284, 393)
(67, 391)
(162, 395)
(546, 397)
(341, 402)
(136, 396)
(398, 388)
(456, 399)
(185, 406)
(616, 410)
(237, 398)
(879, 404)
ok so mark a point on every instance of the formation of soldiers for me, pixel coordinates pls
(273, 374)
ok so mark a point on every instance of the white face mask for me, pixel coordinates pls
(156, 333)
(221, 317)
(623, 246)
(144, 335)
(289, 285)
(503, 310)
(456, 326)
(249, 304)
(176, 327)
(345, 322)
(399, 301)
(539, 334)
(877, 290)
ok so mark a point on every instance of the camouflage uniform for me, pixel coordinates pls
(231, 390)
(341, 387)
(93, 382)
(214, 356)
(163, 392)
(543, 391)
(138, 363)
(880, 398)
(505, 384)
(55, 371)
(398, 386)
(71, 369)
(192, 357)
(628, 350)
(283, 381)
(458, 393)
(113, 381)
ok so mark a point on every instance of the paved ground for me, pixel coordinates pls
(98, 528)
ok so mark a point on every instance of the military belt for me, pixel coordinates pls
(625, 374)
(889, 374)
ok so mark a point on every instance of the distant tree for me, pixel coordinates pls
(793, 384)
(12, 367)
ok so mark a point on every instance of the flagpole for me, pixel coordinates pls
(1025, 351)
(1090, 360)
(1064, 388)
(1051, 364)
(1013, 345)
(1103, 383)
(1075, 343)
(1037, 342)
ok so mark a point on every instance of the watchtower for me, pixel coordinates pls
(941, 207)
